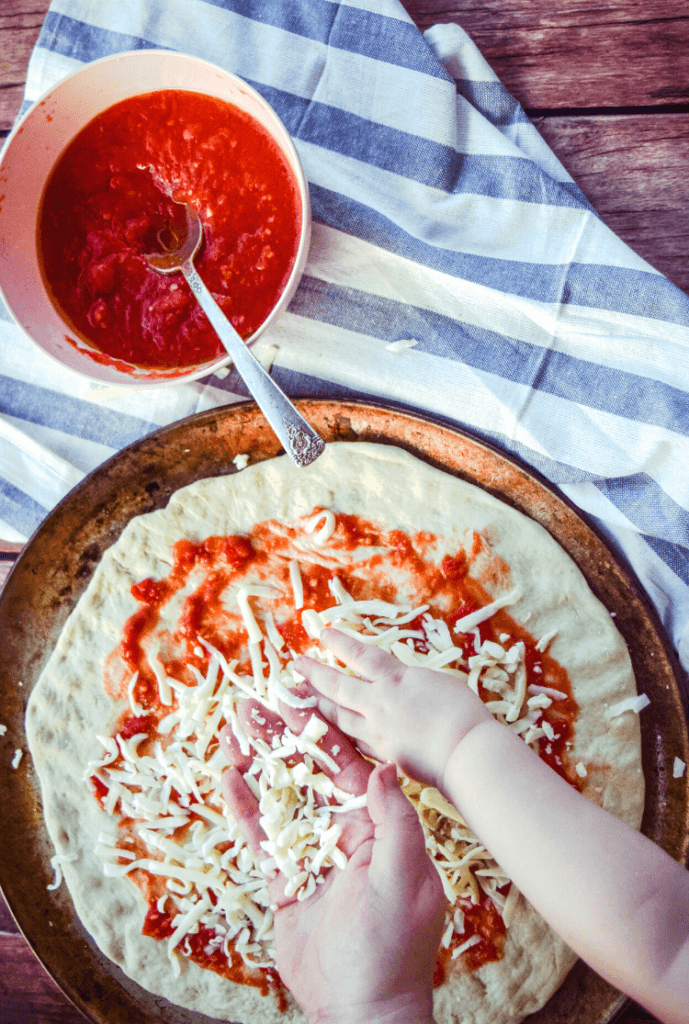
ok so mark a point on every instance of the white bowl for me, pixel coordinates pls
(39, 139)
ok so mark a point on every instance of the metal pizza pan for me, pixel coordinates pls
(59, 560)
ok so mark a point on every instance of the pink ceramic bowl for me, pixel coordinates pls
(37, 142)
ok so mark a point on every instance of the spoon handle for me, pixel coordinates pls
(298, 438)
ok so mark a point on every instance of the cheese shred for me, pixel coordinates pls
(165, 795)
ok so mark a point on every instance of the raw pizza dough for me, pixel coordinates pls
(68, 706)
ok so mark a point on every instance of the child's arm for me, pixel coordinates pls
(615, 897)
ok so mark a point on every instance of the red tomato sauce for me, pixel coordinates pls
(198, 948)
(108, 198)
(484, 920)
(264, 554)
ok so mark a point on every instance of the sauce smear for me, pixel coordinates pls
(205, 573)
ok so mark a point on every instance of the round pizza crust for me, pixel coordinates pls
(69, 707)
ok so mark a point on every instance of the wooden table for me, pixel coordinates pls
(607, 85)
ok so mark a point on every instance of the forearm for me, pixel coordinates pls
(616, 898)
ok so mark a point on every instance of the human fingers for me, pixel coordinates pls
(243, 806)
(398, 829)
(241, 802)
(342, 762)
(351, 723)
(337, 756)
(352, 777)
(399, 859)
(258, 721)
(334, 751)
(232, 750)
(344, 691)
(366, 660)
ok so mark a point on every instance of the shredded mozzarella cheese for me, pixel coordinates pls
(56, 863)
(635, 704)
(170, 788)
(467, 623)
(297, 586)
(327, 529)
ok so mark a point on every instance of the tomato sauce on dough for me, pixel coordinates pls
(159, 926)
(204, 570)
(110, 197)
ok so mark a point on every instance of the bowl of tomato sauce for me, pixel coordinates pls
(94, 177)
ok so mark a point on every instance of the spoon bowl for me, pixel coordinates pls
(187, 245)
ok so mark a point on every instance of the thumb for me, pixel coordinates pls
(399, 849)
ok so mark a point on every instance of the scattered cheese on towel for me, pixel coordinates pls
(402, 345)
(267, 357)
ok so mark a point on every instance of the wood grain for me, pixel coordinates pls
(576, 53)
(634, 171)
(624, 53)
(7, 923)
(27, 994)
(20, 23)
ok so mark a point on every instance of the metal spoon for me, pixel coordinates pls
(298, 438)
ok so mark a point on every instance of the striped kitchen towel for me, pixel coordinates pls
(441, 219)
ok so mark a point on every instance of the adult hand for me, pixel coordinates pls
(363, 946)
(414, 717)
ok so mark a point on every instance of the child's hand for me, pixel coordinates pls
(362, 948)
(617, 899)
(414, 717)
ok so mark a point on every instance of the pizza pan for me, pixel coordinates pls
(57, 563)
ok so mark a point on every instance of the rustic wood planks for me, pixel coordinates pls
(634, 170)
(20, 23)
(27, 994)
(579, 53)
(593, 58)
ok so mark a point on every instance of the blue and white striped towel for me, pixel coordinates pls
(440, 216)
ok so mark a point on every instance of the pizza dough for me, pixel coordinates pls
(69, 705)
